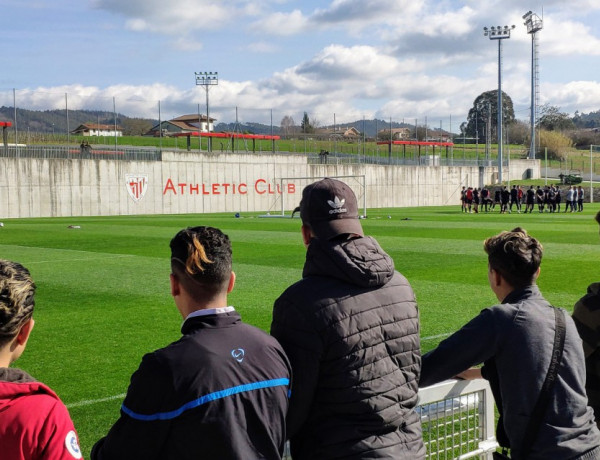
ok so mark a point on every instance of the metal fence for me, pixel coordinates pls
(423, 160)
(457, 418)
(74, 151)
(133, 153)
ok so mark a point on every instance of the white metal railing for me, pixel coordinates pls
(457, 417)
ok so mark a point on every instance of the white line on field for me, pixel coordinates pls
(87, 259)
(89, 402)
(439, 336)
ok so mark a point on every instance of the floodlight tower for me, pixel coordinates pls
(534, 24)
(499, 33)
(206, 80)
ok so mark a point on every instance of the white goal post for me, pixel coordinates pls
(285, 201)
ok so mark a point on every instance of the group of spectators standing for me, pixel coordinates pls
(547, 199)
(339, 374)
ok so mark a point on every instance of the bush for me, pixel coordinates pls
(585, 137)
(556, 143)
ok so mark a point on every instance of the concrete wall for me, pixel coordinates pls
(224, 182)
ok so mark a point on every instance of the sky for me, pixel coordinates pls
(339, 61)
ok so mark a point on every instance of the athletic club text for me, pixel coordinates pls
(260, 186)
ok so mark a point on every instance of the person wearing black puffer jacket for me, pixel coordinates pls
(350, 329)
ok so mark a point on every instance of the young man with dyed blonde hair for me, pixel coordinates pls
(34, 423)
(219, 392)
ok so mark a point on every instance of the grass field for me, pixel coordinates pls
(103, 294)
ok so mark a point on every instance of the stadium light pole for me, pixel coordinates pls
(499, 33)
(206, 80)
(534, 24)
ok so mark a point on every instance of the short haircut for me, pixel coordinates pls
(598, 217)
(17, 291)
(515, 255)
(201, 260)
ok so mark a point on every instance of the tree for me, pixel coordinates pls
(306, 125)
(557, 144)
(136, 126)
(518, 132)
(287, 125)
(553, 119)
(484, 110)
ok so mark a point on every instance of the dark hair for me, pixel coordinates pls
(598, 217)
(515, 255)
(201, 260)
(16, 299)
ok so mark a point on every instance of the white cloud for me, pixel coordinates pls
(281, 23)
(187, 44)
(361, 12)
(576, 95)
(172, 19)
(565, 38)
(262, 47)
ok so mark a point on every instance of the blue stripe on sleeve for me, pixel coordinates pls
(206, 399)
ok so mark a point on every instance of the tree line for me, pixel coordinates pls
(557, 131)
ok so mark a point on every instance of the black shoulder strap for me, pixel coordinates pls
(537, 415)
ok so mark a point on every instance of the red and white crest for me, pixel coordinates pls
(137, 184)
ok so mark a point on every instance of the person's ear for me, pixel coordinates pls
(25, 332)
(175, 286)
(306, 235)
(497, 277)
(231, 282)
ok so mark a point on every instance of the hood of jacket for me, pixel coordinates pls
(359, 261)
(15, 383)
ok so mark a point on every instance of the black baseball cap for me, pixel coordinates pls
(329, 207)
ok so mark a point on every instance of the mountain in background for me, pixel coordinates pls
(55, 121)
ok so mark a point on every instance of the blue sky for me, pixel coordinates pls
(341, 59)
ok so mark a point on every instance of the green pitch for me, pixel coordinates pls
(103, 292)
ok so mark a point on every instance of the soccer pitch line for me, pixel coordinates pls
(89, 402)
(87, 259)
(438, 336)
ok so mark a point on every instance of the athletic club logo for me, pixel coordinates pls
(337, 206)
(238, 354)
(72, 445)
(137, 184)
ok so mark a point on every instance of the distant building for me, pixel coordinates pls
(398, 134)
(438, 135)
(183, 124)
(95, 129)
(340, 132)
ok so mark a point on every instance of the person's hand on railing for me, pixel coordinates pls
(469, 374)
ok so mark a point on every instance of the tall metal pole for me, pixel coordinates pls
(533, 101)
(206, 80)
(591, 175)
(159, 127)
(208, 139)
(115, 120)
(499, 33)
(499, 121)
(15, 110)
(67, 114)
(534, 24)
